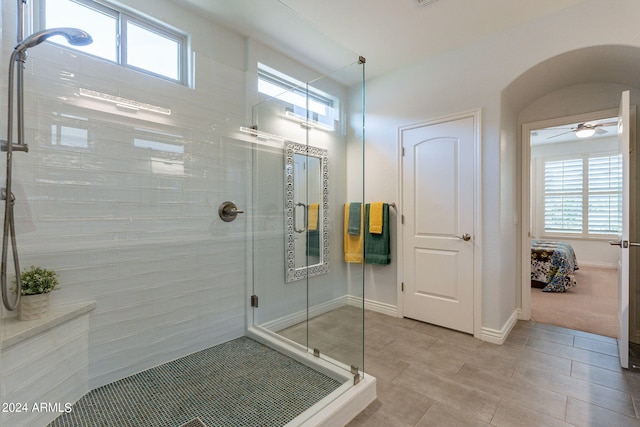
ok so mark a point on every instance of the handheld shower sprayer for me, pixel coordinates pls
(75, 37)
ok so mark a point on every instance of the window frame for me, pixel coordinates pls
(122, 16)
(585, 232)
(289, 85)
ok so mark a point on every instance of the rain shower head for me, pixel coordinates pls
(74, 36)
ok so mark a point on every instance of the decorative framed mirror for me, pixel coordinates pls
(306, 182)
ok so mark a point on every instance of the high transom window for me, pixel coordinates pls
(121, 36)
(308, 105)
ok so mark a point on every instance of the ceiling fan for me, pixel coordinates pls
(585, 130)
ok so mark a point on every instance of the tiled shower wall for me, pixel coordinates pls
(123, 204)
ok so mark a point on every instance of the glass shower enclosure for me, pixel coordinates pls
(126, 205)
(307, 168)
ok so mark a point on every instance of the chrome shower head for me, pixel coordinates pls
(74, 36)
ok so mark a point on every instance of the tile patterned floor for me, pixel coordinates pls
(238, 383)
(338, 334)
(542, 376)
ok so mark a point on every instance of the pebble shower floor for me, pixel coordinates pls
(238, 383)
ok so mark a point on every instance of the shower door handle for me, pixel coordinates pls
(14, 147)
(304, 219)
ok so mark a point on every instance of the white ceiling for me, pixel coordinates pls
(390, 34)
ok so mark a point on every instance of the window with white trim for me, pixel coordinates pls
(581, 195)
(121, 36)
(308, 105)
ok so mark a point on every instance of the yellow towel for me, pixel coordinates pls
(352, 244)
(375, 218)
(313, 216)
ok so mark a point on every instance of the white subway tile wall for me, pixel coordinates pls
(50, 368)
(134, 225)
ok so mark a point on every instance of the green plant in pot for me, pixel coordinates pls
(36, 285)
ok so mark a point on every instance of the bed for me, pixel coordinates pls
(553, 265)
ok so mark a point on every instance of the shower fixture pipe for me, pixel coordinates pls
(75, 37)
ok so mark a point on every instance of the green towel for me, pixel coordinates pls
(313, 234)
(313, 243)
(354, 218)
(377, 247)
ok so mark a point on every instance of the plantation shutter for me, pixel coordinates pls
(605, 186)
(563, 196)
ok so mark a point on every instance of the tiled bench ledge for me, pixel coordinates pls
(15, 331)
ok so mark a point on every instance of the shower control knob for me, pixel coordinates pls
(228, 211)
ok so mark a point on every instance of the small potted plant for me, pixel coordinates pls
(36, 285)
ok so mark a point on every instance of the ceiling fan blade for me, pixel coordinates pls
(600, 131)
(563, 133)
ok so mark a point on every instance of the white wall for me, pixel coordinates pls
(479, 75)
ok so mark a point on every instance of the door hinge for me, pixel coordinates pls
(402, 151)
(402, 286)
(254, 301)
(356, 374)
(402, 218)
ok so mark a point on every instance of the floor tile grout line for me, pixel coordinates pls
(571, 358)
(590, 403)
(534, 386)
(574, 333)
(600, 406)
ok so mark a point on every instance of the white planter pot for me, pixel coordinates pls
(33, 307)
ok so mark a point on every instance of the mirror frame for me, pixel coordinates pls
(293, 273)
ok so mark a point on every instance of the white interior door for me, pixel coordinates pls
(438, 232)
(624, 136)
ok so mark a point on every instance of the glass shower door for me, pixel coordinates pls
(335, 299)
(307, 167)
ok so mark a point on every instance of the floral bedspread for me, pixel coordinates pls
(553, 263)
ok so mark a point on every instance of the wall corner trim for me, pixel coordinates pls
(495, 336)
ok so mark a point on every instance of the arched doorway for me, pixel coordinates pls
(573, 83)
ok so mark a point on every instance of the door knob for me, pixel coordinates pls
(466, 237)
(624, 243)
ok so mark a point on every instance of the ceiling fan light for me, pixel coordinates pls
(585, 132)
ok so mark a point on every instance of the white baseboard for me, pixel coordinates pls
(301, 316)
(598, 264)
(521, 316)
(496, 336)
(378, 307)
(493, 336)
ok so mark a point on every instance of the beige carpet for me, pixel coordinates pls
(591, 306)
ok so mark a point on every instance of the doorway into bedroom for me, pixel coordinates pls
(575, 185)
